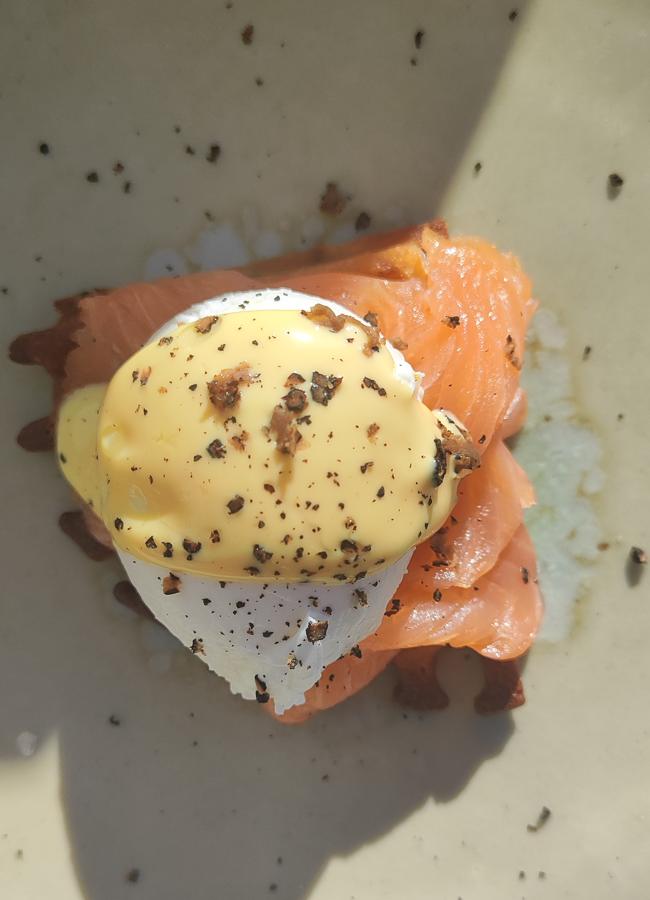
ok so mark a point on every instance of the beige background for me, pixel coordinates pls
(413, 807)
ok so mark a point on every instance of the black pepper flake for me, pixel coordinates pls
(216, 449)
(316, 631)
(542, 818)
(477, 167)
(118, 168)
(586, 353)
(197, 646)
(213, 154)
(638, 556)
(190, 150)
(418, 38)
(512, 15)
(349, 547)
(92, 177)
(190, 546)
(333, 201)
(114, 720)
(360, 596)
(356, 651)
(235, 504)
(511, 352)
(269, 488)
(437, 595)
(451, 321)
(362, 222)
(151, 543)
(63, 458)
(239, 441)
(204, 325)
(119, 524)
(44, 148)
(295, 400)
(197, 457)
(171, 584)
(440, 469)
(482, 439)
(126, 187)
(525, 575)
(193, 387)
(252, 570)
(372, 430)
(260, 554)
(381, 492)
(224, 389)
(323, 387)
(133, 876)
(169, 549)
(395, 606)
(164, 341)
(615, 183)
(247, 34)
(365, 466)
(206, 601)
(372, 384)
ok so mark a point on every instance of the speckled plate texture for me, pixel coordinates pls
(126, 769)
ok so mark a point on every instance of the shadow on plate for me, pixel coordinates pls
(202, 793)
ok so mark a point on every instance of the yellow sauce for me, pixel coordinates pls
(76, 437)
(192, 486)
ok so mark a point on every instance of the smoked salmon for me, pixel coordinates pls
(458, 309)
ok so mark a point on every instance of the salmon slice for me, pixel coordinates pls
(498, 616)
(488, 513)
(460, 309)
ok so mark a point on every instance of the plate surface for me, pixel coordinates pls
(196, 794)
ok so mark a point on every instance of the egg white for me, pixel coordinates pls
(241, 630)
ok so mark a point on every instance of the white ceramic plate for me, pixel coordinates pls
(200, 793)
